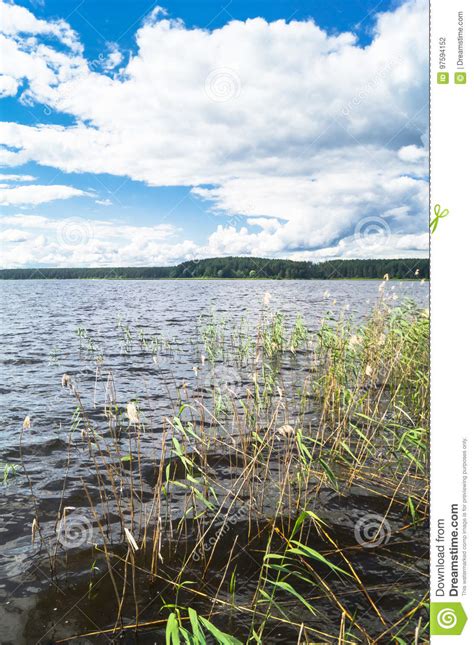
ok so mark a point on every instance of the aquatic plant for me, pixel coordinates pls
(217, 508)
(9, 471)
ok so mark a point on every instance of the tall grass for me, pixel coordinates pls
(219, 504)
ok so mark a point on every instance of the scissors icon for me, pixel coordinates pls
(439, 214)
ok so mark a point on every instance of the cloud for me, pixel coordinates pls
(319, 209)
(9, 177)
(113, 58)
(8, 86)
(14, 235)
(412, 154)
(36, 240)
(276, 122)
(382, 245)
(36, 194)
(17, 21)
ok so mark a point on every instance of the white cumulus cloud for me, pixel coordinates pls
(32, 195)
(299, 132)
(77, 241)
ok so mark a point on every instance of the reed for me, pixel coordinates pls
(216, 511)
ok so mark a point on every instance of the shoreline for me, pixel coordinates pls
(202, 279)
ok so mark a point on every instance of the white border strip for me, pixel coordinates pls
(452, 322)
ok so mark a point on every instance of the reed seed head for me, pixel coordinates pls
(132, 413)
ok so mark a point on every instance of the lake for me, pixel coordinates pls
(122, 341)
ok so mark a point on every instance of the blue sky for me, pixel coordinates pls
(135, 133)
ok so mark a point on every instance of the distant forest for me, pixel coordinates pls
(239, 267)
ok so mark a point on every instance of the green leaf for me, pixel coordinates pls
(346, 447)
(182, 409)
(285, 586)
(299, 521)
(201, 497)
(196, 627)
(177, 447)
(411, 508)
(221, 637)
(172, 630)
(328, 472)
(307, 551)
(256, 637)
(186, 635)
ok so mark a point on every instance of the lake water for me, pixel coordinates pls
(88, 330)
(40, 319)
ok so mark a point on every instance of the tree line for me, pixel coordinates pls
(240, 267)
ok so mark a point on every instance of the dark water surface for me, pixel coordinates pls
(81, 328)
